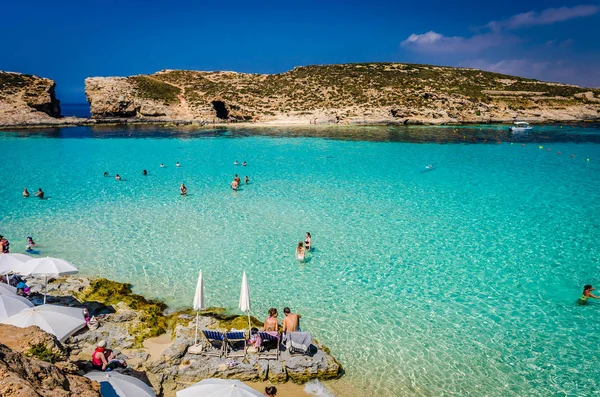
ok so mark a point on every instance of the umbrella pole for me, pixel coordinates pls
(45, 288)
(249, 325)
(196, 338)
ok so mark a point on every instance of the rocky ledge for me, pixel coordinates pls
(369, 93)
(128, 322)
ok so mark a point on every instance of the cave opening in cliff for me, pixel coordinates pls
(221, 110)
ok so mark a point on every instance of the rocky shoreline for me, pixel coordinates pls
(128, 322)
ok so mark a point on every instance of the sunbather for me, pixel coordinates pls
(290, 322)
(271, 322)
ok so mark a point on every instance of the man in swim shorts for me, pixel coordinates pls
(183, 189)
(291, 321)
(235, 185)
(40, 193)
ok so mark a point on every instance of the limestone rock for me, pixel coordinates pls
(28, 377)
(23, 339)
(277, 372)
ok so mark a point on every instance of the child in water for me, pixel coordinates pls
(30, 244)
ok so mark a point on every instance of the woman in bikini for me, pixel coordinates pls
(307, 241)
(271, 324)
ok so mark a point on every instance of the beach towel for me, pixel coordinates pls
(298, 341)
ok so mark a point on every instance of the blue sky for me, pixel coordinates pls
(70, 40)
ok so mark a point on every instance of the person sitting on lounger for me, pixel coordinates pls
(290, 322)
(271, 321)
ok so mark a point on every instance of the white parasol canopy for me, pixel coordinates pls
(245, 298)
(113, 384)
(11, 304)
(219, 388)
(12, 263)
(7, 289)
(60, 321)
(47, 267)
(199, 301)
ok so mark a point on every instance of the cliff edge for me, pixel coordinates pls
(27, 99)
(350, 93)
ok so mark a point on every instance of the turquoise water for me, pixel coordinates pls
(460, 280)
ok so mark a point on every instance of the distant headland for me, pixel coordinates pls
(367, 93)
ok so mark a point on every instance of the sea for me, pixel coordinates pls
(446, 261)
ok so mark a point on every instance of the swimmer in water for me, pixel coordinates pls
(237, 179)
(587, 293)
(244, 164)
(30, 241)
(162, 165)
(308, 241)
(300, 251)
(429, 167)
(246, 180)
(178, 165)
(235, 185)
(105, 173)
(236, 163)
(25, 192)
(183, 189)
(118, 177)
(40, 193)
(144, 172)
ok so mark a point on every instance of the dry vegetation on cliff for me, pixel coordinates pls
(389, 92)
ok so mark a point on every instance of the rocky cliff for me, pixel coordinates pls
(33, 363)
(351, 93)
(27, 99)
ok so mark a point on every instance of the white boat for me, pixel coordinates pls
(520, 126)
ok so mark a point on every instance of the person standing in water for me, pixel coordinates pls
(183, 189)
(246, 180)
(25, 192)
(40, 193)
(308, 241)
(118, 177)
(105, 173)
(144, 172)
(587, 293)
(178, 165)
(235, 185)
(300, 251)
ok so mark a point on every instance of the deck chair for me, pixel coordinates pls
(236, 344)
(298, 342)
(269, 340)
(215, 345)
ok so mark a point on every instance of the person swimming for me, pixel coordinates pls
(429, 167)
(244, 164)
(246, 180)
(300, 251)
(162, 165)
(118, 177)
(144, 172)
(177, 164)
(236, 162)
(183, 189)
(587, 293)
(30, 241)
(105, 173)
(40, 193)
(25, 192)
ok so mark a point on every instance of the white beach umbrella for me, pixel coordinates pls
(12, 263)
(245, 298)
(114, 384)
(11, 304)
(60, 321)
(7, 289)
(47, 267)
(199, 301)
(219, 388)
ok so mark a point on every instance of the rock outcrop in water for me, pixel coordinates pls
(351, 93)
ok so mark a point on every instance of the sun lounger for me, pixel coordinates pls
(298, 342)
(215, 345)
(236, 344)
(270, 346)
